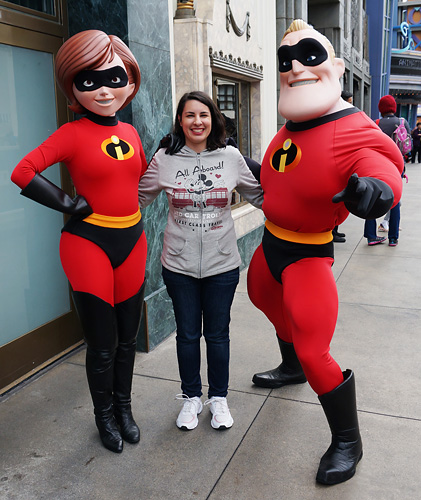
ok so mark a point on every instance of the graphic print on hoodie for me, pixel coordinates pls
(201, 197)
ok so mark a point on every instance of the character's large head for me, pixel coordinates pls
(309, 74)
(93, 50)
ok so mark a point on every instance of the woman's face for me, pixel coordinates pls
(196, 122)
(103, 91)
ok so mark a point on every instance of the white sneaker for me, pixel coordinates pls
(221, 416)
(187, 418)
(384, 226)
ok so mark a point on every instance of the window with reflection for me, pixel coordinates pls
(44, 6)
(233, 100)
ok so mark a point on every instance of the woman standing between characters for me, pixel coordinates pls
(102, 246)
(200, 258)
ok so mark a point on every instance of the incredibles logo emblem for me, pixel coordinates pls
(285, 158)
(116, 148)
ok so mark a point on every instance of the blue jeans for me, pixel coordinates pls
(209, 299)
(370, 226)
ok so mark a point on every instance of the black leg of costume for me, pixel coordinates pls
(340, 461)
(128, 315)
(99, 326)
(288, 372)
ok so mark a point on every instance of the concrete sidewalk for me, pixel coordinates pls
(50, 449)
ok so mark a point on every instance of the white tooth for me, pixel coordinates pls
(303, 82)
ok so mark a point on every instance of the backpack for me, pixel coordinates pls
(402, 139)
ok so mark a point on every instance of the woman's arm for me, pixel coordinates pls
(149, 185)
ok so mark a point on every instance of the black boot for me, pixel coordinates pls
(288, 372)
(129, 314)
(340, 461)
(99, 326)
(338, 237)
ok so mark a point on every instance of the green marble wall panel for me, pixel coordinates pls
(148, 34)
(152, 106)
(149, 39)
(161, 321)
(109, 16)
(248, 244)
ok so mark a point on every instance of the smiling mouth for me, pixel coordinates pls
(303, 82)
(105, 101)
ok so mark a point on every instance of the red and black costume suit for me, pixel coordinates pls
(290, 277)
(104, 253)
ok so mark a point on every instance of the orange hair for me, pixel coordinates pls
(90, 50)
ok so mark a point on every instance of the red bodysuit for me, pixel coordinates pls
(102, 255)
(290, 277)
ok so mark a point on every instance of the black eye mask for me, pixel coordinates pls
(307, 51)
(91, 79)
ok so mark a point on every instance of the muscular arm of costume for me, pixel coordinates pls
(46, 193)
(366, 197)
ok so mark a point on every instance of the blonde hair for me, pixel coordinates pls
(299, 24)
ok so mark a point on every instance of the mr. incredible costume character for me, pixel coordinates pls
(102, 246)
(328, 160)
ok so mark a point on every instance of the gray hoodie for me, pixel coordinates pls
(199, 238)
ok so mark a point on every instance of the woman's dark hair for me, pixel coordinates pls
(216, 138)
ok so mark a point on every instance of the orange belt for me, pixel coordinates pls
(306, 238)
(114, 222)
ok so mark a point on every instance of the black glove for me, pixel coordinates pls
(366, 197)
(48, 194)
(172, 144)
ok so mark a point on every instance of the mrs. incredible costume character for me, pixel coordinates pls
(328, 160)
(102, 246)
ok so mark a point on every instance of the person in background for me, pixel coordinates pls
(384, 224)
(231, 140)
(337, 236)
(416, 143)
(387, 123)
(200, 259)
(347, 96)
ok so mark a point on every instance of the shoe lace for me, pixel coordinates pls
(219, 404)
(189, 404)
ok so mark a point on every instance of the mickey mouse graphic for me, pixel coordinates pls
(196, 187)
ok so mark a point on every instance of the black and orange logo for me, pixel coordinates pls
(116, 148)
(285, 158)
